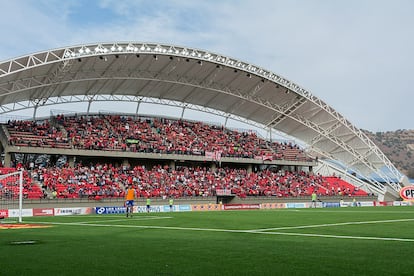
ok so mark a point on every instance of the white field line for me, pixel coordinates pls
(231, 231)
(327, 210)
(125, 219)
(331, 224)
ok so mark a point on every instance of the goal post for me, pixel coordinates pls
(11, 197)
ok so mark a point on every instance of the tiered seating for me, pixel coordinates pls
(35, 134)
(105, 180)
(337, 186)
(81, 181)
(9, 186)
(150, 135)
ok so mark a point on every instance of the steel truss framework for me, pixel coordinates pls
(194, 79)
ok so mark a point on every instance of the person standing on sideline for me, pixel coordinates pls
(171, 202)
(314, 197)
(129, 200)
(148, 204)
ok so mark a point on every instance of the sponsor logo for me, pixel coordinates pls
(407, 193)
(69, 211)
(241, 206)
(110, 210)
(4, 213)
(43, 212)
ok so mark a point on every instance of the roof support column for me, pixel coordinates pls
(35, 112)
(270, 134)
(137, 109)
(182, 112)
(89, 106)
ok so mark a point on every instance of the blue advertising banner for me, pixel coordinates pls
(110, 210)
(331, 204)
(295, 205)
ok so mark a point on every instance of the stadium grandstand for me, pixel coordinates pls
(96, 154)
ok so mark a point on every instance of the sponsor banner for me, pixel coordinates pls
(346, 204)
(214, 155)
(331, 204)
(4, 213)
(166, 208)
(272, 205)
(43, 212)
(206, 207)
(14, 213)
(223, 192)
(264, 157)
(366, 203)
(131, 141)
(176, 208)
(184, 208)
(407, 193)
(385, 203)
(153, 209)
(73, 211)
(297, 205)
(110, 210)
(402, 203)
(241, 206)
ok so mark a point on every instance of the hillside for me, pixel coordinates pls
(398, 146)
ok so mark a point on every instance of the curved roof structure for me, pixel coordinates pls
(190, 78)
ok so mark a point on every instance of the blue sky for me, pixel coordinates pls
(356, 55)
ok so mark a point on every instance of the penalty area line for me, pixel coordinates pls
(331, 224)
(233, 231)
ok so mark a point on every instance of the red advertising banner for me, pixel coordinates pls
(241, 206)
(206, 207)
(4, 213)
(43, 212)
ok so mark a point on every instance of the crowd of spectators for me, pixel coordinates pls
(148, 135)
(107, 180)
(10, 185)
(35, 134)
(160, 135)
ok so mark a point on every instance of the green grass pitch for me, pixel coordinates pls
(337, 241)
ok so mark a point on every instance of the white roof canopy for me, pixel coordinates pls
(132, 71)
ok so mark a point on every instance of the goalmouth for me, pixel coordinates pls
(11, 197)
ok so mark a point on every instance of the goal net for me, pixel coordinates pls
(11, 197)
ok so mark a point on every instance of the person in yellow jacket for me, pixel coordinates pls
(129, 200)
(171, 203)
(148, 204)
